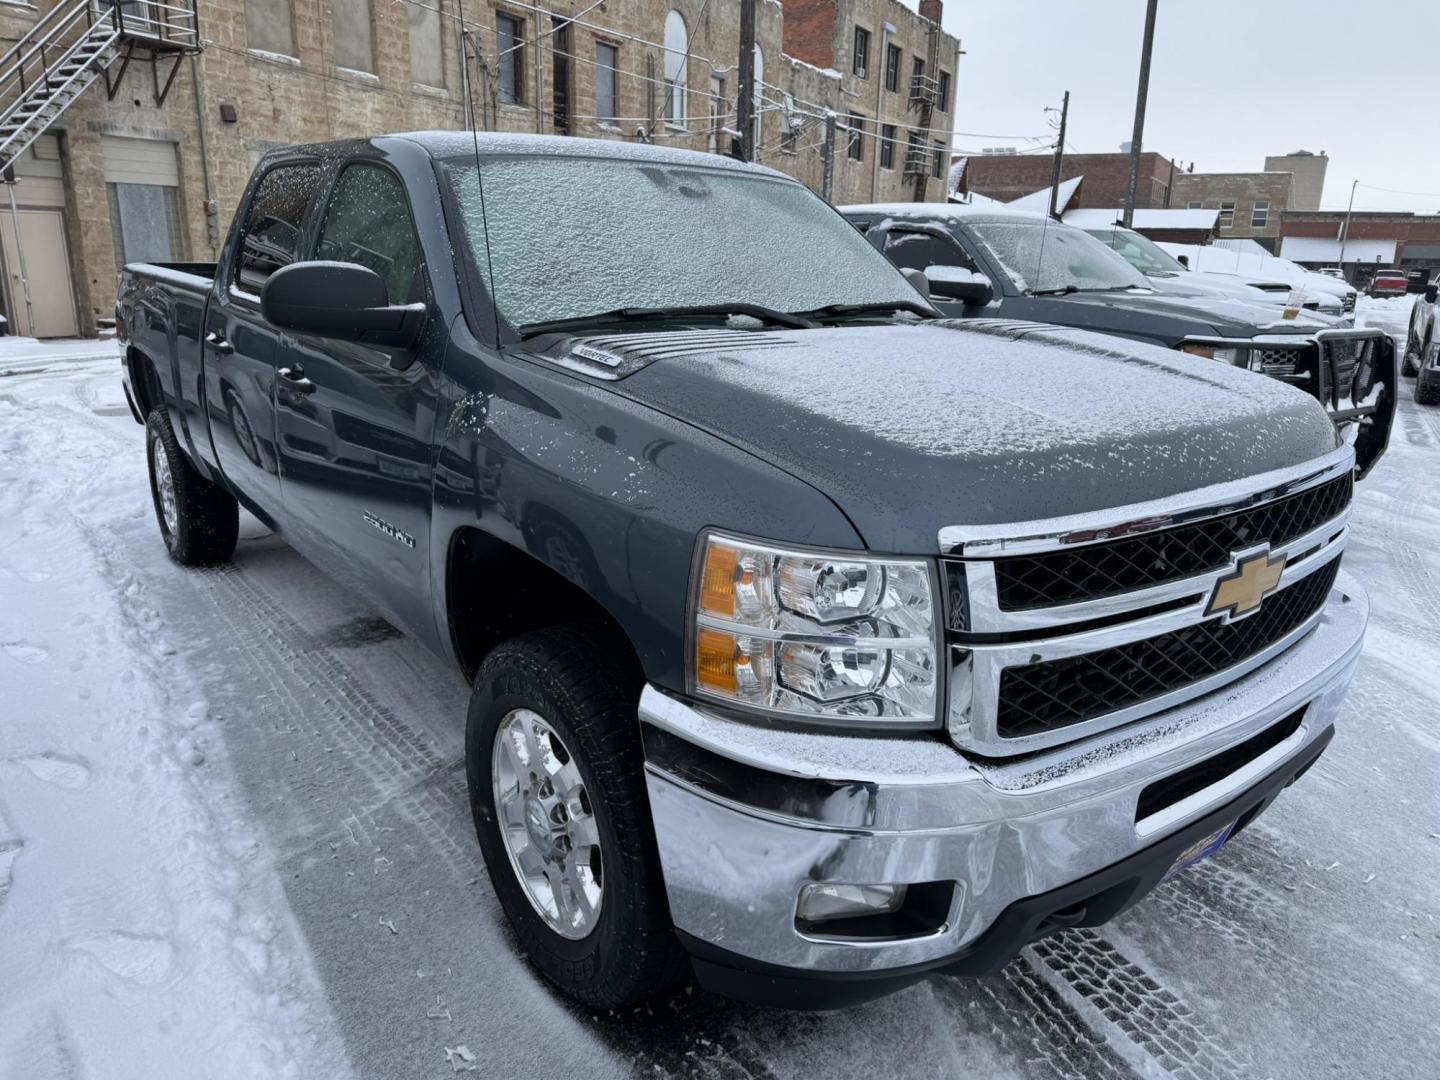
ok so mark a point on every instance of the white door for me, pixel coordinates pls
(52, 299)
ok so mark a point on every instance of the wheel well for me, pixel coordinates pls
(144, 380)
(495, 591)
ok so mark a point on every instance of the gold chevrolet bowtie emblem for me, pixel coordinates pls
(1239, 593)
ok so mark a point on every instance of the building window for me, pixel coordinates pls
(561, 64)
(855, 146)
(354, 36)
(892, 68)
(717, 112)
(607, 94)
(937, 161)
(1260, 215)
(270, 26)
(887, 146)
(1195, 204)
(145, 223)
(1227, 213)
(917, 77)
(677, 68)
(510, 57)
(427, 64)
(942, 92)
(915, 156)
(861, 64)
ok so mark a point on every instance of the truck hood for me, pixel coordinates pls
(910, 428)
(1185, 315)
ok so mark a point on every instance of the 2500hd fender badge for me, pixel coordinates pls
(390, 530)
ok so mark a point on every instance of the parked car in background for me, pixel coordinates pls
(1333, 272)
(1268, 272)
(815, 642)
(989, 264)
(1422, 333)
(1389, 283)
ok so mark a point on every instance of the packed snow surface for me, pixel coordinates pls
(235, 841)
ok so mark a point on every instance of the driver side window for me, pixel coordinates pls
(922, 250)
(275, 224)
(368, 222)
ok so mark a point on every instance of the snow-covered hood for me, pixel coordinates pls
(913, 428)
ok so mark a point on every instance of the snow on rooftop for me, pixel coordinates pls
(1199, 220)
(1039, 201)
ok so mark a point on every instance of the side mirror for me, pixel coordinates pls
(917, 279)
(339, 301)
(1183, 260)
(957, 283)
(1432, 291)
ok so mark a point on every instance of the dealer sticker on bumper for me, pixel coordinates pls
(1198, 851)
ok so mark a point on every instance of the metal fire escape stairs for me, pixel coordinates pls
(924, 93)
(77, 42)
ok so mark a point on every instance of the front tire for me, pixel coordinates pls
(199, 521)
(557, 792)
(1427, 390)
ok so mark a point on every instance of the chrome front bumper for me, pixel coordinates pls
(746, 815)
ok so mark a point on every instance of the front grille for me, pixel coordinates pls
(1036, 698)
(1280, 360)
(1349, 302)
(1096, 570)
(1345, 355)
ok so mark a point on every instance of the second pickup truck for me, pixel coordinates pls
(816, 642)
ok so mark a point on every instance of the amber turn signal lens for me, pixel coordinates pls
(717, 581)
(715, 661)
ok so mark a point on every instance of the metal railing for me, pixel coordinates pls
(176, 25)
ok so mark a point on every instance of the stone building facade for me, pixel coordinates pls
(124, 178)
(1308, 170)
(1250, 204)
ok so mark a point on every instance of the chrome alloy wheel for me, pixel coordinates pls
(547, 823)
(164, 487)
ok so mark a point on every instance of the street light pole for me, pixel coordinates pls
(1345, 229)
(1140, 97)
(1059, 159)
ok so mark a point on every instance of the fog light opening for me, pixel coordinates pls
(842, 911)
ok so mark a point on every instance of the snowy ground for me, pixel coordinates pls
(234, 841)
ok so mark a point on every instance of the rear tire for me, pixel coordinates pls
(557, 791)
(199, 521)
(1427, 390)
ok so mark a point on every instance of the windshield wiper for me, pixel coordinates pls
(662, 314)
(1063, 290)
(835, 311)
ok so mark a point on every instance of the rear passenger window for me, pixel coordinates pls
(275, 224)
(368, 222)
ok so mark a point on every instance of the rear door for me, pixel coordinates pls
(241, 350)
(356, 422)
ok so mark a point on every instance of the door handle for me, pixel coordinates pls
(219, 344)
(295, 380)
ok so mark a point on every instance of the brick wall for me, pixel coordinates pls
(1107, 177)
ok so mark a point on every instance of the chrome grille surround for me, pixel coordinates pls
(994, 639)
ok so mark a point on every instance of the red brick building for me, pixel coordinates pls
(1107, 177)
(1402, 241)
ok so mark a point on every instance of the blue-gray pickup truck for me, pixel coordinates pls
(816, 642)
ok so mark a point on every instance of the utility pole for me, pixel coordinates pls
(827, 182)
(1059, 159)
(745, 112)
(1138, 137)
(1345, 229)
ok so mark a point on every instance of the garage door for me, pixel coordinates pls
(142, 181)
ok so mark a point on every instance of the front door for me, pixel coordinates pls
(243, 351)
(47, 265)
(356, 423)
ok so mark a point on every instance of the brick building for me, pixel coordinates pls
(1383, 240)
(1007, 177)
(1250, 204)
(150, 160)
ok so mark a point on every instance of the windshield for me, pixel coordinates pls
(570, 238)
(1042, 256)
(1140, 252)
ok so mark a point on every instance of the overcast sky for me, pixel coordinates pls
(1230, 82)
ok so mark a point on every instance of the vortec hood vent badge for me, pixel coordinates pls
(614, 356)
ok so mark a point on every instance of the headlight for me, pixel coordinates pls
(1210, 352)
(810, 635)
